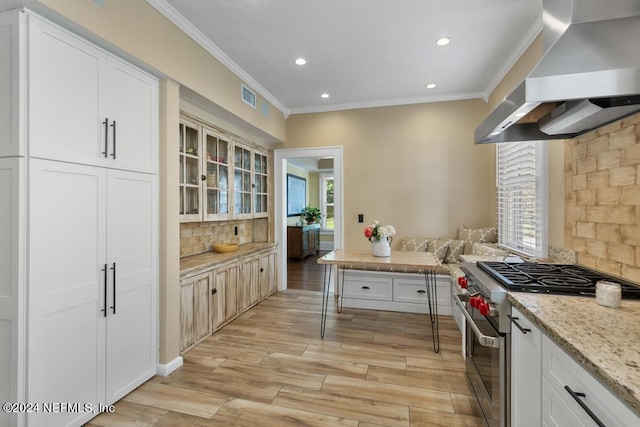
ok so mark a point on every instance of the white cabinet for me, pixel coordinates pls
(550, 388)
(92, 274)
(393, 291)
(100, 111)
(78, 230)
(570, 392)
(525, 371)
(12, 299)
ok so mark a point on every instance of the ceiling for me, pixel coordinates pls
(363, 53)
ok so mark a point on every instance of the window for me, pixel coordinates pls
(326, 201)
(521, 181)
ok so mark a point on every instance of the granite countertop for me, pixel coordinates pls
(604, 340)
(195, 264)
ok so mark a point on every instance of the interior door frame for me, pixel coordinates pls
(280, 200)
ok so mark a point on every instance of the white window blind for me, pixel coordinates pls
(326, 201)
(521, 180)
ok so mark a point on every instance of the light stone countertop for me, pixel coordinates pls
(196, 264)
(604, 340)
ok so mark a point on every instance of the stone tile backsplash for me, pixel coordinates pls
(198, 237)
(602, 198)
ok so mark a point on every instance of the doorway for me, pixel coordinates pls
(281, 159)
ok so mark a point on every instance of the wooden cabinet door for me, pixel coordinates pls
(216, 302)
(267, 274)
(187, 336)
(132, 111)
(256, 273)
(230, 292)
(132, 221)
(66, 89)
(66, 254)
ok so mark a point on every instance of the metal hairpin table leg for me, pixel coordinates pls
(432, 298)
(325, 298)
(341, 296)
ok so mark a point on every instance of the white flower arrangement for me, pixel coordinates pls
(376, 232)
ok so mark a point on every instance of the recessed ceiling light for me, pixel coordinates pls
(324, 95)
(430, 86)
(443, 41)
(301, 61)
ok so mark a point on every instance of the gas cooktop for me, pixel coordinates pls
(567, 279)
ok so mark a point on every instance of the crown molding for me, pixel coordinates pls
(196, 35)
(387, 103)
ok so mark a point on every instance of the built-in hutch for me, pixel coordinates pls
(78, 222)
(221, 177)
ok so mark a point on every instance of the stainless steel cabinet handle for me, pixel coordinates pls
(105, 270)
(106, 137)
(577, 397)
(113, 125)
(113, 307)
(484, 340)
(514, 320)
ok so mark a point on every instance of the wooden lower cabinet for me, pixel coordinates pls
(211, 299)
(194, 309)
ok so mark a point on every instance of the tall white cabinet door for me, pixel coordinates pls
(65, 92)
(11, 285)
(132, 224)
(66, 253)
(11, 83)
(132, 109)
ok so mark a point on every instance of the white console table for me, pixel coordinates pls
(423, 263)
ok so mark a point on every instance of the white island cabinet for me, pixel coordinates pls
(79, 223)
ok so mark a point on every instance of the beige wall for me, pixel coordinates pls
(137, 29)
(412, 166)
(603, 198)
(169, 288)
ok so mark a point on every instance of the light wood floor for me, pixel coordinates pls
(269, 367)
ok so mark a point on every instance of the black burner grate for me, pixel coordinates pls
(568, 279)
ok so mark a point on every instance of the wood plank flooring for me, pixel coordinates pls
(269, 367)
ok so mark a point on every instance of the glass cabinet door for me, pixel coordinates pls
(242, 182)
(260, 185)
(189, 172)
(216, 187)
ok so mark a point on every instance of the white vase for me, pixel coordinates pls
(381, 247)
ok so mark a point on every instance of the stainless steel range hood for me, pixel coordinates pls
(589, 74)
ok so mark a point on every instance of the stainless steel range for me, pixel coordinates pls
(487, 312)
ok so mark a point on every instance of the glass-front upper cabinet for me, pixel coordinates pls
(260, 185)
(190, 206)
(242, 182)
(220, 178)
(216, 165)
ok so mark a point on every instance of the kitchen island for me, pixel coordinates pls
(603, 340)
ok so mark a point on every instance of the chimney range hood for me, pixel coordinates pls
(589, 74)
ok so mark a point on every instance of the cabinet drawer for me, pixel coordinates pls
(415, 291)
(560, 370)
(373, 288)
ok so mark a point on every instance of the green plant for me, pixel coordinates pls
(311, 215)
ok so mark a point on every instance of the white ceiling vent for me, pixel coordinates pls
(249, 96)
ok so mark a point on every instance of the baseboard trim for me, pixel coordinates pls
(165, 370)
